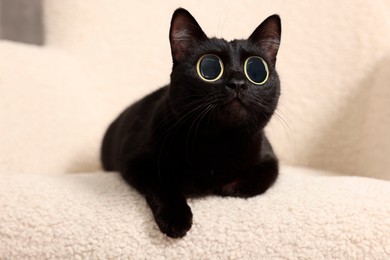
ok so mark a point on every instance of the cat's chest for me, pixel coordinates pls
(216, 153)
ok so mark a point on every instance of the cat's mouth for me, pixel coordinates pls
(236, 107)
(237, 102)
(234, 112)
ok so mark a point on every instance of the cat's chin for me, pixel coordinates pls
(236, 108)
(234, 114)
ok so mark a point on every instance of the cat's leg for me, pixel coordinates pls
(253, 181)
(169, 206)
(256, 179)
(171, 211)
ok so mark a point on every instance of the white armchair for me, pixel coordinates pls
(57, 100)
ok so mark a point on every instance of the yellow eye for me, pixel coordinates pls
(256, 70)
(209, 67)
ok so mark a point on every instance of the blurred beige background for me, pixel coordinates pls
(101, 55)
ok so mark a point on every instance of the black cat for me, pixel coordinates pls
(203, 133)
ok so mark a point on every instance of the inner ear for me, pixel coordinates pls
(184, 34)
(267, 36)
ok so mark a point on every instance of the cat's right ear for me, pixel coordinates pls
(184, 34)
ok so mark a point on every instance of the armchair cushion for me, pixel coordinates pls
(304, 215)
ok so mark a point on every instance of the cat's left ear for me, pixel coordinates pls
(184, 34)
(267, 36)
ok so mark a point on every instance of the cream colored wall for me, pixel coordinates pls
(334, 65)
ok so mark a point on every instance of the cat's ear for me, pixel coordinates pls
(267, 36)
(184, 34)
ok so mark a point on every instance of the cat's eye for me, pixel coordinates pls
(256, 70)
(209, 67)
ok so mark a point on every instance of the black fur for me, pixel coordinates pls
(193, 137)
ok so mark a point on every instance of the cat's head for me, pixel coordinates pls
(230, 84)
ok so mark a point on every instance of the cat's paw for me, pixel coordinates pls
(255, 182)
(174, 222)
(243, 189)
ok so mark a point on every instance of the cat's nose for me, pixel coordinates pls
(236, 84)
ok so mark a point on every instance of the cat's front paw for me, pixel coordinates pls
(174, 222)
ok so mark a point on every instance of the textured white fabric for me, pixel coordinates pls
(52, 118)
(97, 216)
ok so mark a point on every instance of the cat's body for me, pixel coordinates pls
(200, 136)
(204, 160)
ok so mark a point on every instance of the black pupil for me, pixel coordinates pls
(209, 67)
(256, 70)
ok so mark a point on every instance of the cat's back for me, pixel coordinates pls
(146, 105)
(134, 122)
